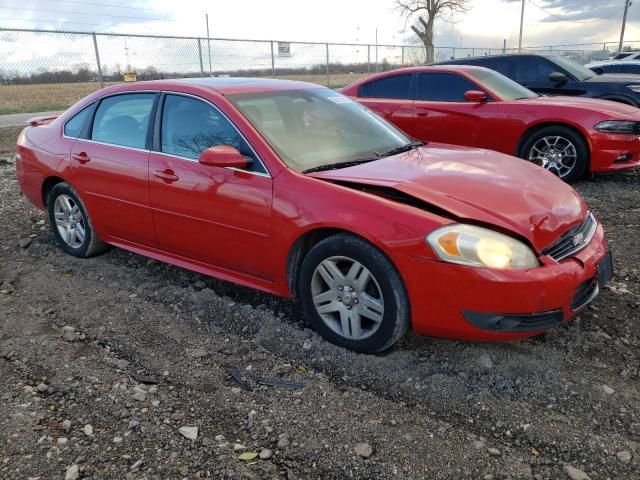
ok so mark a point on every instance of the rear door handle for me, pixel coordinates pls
(166, 175)
(422, 114)
(81, 157)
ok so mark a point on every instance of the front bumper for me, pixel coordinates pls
(614, 152)
(518, 303)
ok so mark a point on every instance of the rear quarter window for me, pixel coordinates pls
(74, 125)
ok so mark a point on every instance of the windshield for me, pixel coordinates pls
(319, 127)
(503, 87)
(581, 73)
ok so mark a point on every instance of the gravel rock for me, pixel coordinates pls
(66, 425)
(72, 473)
(88, 430)
(484, 361)
(196, 352)
(190, 433)
(24, 242)
(238, 447)
(608, 390)
(43, 387)
(122, 364)
(69, 333)
(494, 451)
(284, 442)
(363, 449)
(574, 473)
(266, 454)
(624, 456)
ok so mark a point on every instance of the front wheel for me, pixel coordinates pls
(558, 149)
(352, 295)
(71, 224)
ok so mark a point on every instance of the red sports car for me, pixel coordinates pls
(478, 107)
(297, 190)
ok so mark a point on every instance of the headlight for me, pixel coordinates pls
(480, 247)
(617, 126)
(634, 88)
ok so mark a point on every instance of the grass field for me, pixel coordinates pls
(59, 96)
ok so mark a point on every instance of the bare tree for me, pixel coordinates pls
(431, 9)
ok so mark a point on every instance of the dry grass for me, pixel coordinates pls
(60, 96)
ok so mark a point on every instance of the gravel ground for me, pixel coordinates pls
(118, 367)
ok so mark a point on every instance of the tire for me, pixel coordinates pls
(568, 156)
(370, 305)
(75, 235)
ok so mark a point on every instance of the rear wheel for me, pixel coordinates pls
(70, 223)
(560, 150)
(352, 294)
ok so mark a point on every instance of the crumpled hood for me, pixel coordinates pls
(479, 186)
(606, 107)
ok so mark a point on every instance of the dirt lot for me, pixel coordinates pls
(38, 98)
(147, 349)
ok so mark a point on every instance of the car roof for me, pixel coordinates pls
(223, 85)
(486, 57)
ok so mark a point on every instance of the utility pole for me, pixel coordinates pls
(627, 4)
(208, 43)
(522, 27)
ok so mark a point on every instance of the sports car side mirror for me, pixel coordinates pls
(475, 96)
(598, 70)
(222, 156)
(558, 77)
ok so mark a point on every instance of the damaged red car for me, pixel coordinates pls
(299, 191)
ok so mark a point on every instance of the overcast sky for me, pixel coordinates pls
(485, 25)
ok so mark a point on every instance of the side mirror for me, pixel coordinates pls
(558, 77)
(598, 70)
(222, 156)
(475, 96)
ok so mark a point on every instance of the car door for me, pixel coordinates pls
(217, 216)
(390, 97)
(534, 73)
(109, 163)
(442, 113)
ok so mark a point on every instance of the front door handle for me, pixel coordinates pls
(422, 114)
(81, 157)
(166, 175)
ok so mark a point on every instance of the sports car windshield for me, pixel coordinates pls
(581, 73)
(503, 87)
(317, 128)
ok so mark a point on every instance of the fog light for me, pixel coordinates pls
(623, 158)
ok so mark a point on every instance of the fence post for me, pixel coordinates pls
(95, 46)
(327, 47)
(200, 56)
(368, 58)
(504, 46)
(273, 62)
(453, 53)
(402, 56)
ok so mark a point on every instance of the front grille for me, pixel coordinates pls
(574, 240)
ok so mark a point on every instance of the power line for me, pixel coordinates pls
(565, 19)
(63, 12)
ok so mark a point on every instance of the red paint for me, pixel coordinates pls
(242, 227)
(501, 125)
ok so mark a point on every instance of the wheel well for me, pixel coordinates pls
(301, 247)
(48, 184)
(540, 126)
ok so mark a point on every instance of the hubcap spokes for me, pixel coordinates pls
(69, 221)
(347, 297)
(556, 154)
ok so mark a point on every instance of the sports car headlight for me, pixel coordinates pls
(480, 247)
(616, 126)
(634, 88)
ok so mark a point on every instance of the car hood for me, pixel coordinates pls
(477, 186)
(607, 107)
(614, 78)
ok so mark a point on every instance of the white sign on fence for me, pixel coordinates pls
(284, 49)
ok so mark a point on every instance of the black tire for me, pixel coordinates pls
(90, 245)
(395, 316)
(581, 164)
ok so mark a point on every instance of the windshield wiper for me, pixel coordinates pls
(402, 149)
(335, 166)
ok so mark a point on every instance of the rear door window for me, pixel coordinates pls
(443, 87)
(394, 87)
(123, 119)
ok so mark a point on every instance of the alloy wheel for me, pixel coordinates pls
(347, 297)
(69, 221)
(556, 154)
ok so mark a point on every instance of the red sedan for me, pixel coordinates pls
(478, 107)
(297, 190)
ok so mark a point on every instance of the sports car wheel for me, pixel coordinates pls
(559, 150)
(70, 223)
(352, 294)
